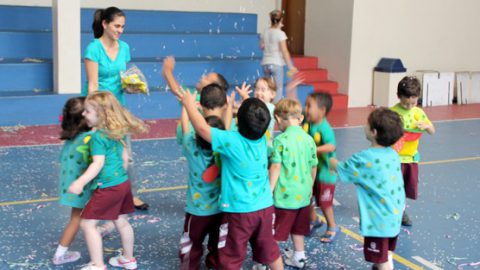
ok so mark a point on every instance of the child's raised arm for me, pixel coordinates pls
(198, 122)
(291, 88)
(167, 71)
(92, 171)
(229, 112)
(184, 121)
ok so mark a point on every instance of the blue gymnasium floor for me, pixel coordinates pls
(446, 217)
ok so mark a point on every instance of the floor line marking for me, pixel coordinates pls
(449, 160)
(52, 199)
(426, 263)
(359, 238)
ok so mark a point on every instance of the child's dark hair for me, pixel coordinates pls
(409, 86)
(73, 122)
(323, 99)
(107, 15)
(213, 121)
(276, 16)
(222, 82)
(253, 118)
(387, 124)
(213, 96)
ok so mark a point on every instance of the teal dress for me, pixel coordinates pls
(74, 160)
(108, 69)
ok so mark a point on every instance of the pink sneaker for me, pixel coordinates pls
(120, 261)
(69, 256)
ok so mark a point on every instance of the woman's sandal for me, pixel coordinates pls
(139, 204)
(330, 235)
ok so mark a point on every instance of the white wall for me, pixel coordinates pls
(328, 28)
(427, 34)
(261, 8)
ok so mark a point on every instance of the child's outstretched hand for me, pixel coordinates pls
(244, 91)
(75, 188)
(188, 99)
(291, 88)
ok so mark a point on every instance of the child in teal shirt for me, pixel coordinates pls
(245, 198)
(317, 107)
(377, 175)
(203, 215)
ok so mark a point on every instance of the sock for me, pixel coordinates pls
(298, 255)
(61, 250)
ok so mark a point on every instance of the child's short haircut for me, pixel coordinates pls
(253, 118)
(323, 99)
(409, 86)
(213, 96)
(73, 122)
(388, 125)
(270, 83)
(222, 82)
(213, 121)
(288, 108)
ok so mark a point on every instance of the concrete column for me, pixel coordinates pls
(66, 46)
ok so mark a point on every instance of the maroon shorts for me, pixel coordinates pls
(376, 249)
(291, 221)
(195, 230)
(238, 229)
(410, 179)
(323, 194)
(109, 203)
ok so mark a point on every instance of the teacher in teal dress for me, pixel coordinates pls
(105, 57)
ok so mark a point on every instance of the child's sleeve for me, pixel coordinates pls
(328, 137)
(349, 170)
(221, 141)
(312, 153)
(92, 53)
(277, 151)
(98, 144)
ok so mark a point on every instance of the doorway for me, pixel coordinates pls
(294, 21)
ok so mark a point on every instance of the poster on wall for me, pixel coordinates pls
(437, 87)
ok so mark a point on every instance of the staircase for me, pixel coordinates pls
(318, 79)
(202, 42)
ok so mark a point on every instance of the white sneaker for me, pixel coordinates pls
(120, 261)
(259, 266)
(91, 266)
(290, 260)
(69, 256)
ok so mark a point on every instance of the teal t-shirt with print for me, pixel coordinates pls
(381, 198)
(113, 172)
(245, 185)
(108, 69)
(179, 134)
(202, 197)
(296, 151)
(74, 160)
(322, 133)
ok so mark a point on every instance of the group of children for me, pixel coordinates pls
(245, 186)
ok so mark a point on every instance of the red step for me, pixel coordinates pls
(305, 62)
(340, 102)
(330, 87)
(314, 75)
